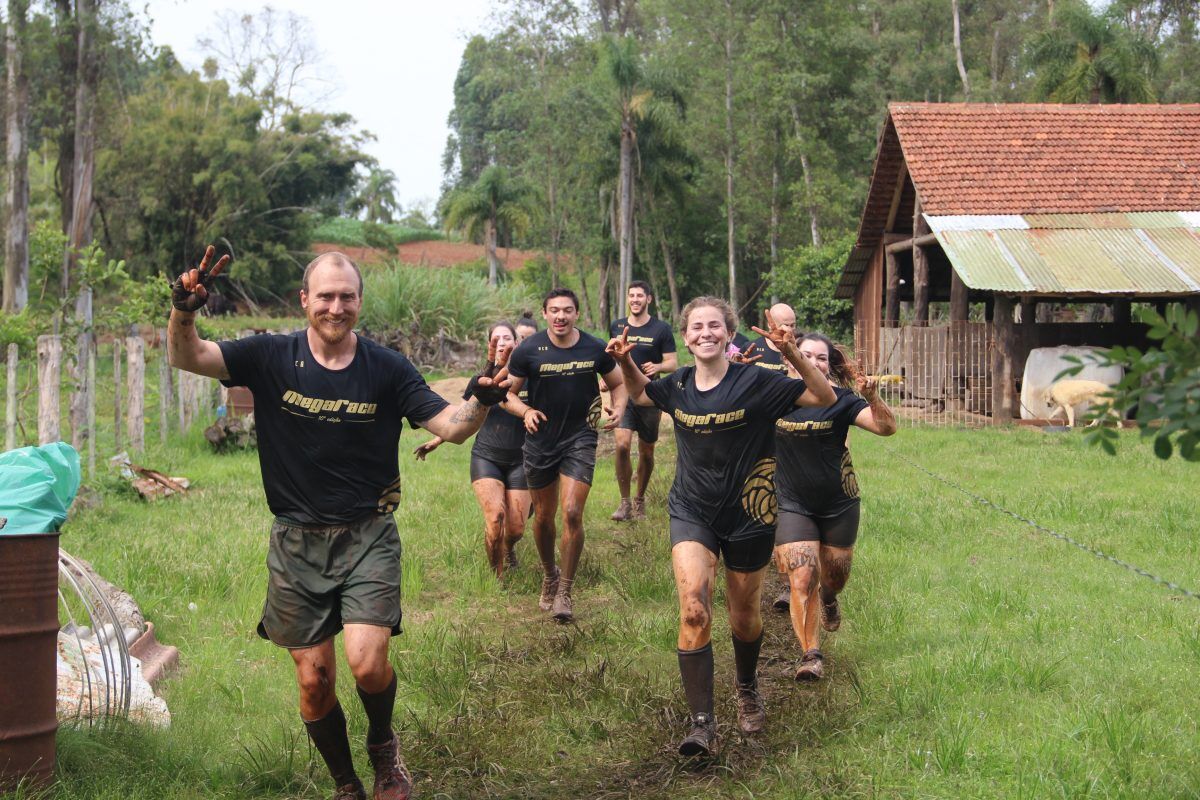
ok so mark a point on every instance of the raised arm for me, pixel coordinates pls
(635, 380)
(185, 349)
(817, 390)
(458, 423)
(877, 417)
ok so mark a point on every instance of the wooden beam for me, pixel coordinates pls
(1122, 312)
(911, 242)
(1003, 349)
(1028, 310)
(891, 314)
(960, 307)
(901, 179)
(920, 269)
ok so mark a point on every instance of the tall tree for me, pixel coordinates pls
(16, 126)
(376, 196)
(1090, 56)
(496, 202)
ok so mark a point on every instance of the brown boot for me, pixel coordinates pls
(812, 666)
(351, 791)
(623, 511)
(392, 781)
(549, 590)
(637, 508)
(783, 602)
(831, 615)
(564, 607)
(752, 716)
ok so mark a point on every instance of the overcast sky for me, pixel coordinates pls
(389, 64)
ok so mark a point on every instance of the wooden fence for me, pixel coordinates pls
(183, 398)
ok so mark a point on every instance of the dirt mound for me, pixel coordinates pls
(450, 389)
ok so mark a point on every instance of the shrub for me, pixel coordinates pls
(428, 301)
(806, 278)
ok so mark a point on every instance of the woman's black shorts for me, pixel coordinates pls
(512, 475)
(837, 531)
(740, 555)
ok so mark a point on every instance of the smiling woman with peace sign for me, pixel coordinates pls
(722, 503)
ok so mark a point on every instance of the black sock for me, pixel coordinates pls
(328, 734)
(696, 670)
(745, 659)
(379, 712)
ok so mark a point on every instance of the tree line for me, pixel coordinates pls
(724, 146)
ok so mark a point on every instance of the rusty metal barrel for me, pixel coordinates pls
(28, 658)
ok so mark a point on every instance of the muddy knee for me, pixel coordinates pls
(316, 688)
(694, 615)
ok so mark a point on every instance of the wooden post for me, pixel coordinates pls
(116, 394)
(960, 306)
(1003, 336)
(91, 409)
(10, 399)
(1028, 310)
(164, 394)
(920, 269)
(49, 351)
(135, 358)
(891, 314)
(181, 389)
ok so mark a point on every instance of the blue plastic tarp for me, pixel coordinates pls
(37, 486)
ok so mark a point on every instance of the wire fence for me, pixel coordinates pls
(939, 375)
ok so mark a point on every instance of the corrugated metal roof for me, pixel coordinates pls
(1135, 253)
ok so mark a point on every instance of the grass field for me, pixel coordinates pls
(979, 658)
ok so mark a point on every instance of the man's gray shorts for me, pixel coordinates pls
(643, 419)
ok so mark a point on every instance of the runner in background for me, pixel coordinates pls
(785, 318)
(818, 496)
(654, 354)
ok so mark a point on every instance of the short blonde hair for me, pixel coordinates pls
(731, 320)
(341, 259)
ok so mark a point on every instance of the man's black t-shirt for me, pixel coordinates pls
(650, 341)
(740, 341)
(725, 442)
(502, 435)
(771, 359)
(328, 440)
(815, 476)
(561, 382)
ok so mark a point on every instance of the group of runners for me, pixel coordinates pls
(762, 473)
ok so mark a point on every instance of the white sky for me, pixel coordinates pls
(391, 65)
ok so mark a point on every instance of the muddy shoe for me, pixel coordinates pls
(549, 590)
(831, 615)
(701, 739)
(392, 781)
(351, 791)
(623, 511)
(510, 559)
(637, 508)
(752, 715)
(783, 602)
(563, 609)
(812, 666)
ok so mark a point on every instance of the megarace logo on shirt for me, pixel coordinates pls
(758, 493)
(329, 410)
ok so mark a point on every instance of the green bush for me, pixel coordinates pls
(806, 279)
(22, 330)
(356, 233)
(426, 300)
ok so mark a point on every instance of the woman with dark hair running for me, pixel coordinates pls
(722, 503)
(497, 466)
(818, 495)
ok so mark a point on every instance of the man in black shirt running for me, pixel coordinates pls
(329, 409)
(558, 367)
(785, 319)
(654, 354)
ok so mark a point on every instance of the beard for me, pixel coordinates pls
(328, 333)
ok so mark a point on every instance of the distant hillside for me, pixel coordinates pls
(431, 253)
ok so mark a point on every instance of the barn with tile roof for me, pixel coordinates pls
(988, 227)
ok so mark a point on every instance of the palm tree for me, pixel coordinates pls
(377, 196)
(497, 201)
(1092, 57)
(641, 93)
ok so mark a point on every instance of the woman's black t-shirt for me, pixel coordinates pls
(724, 472)
(815, 476)
(501, 436)
(328, 440)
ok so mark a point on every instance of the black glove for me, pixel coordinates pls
(486, 395)
(184, 300)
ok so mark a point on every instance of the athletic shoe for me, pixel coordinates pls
(831, 615)
(783, 603)
(351, 791)
(752, 715)
(392, 781)
(563, 608)
(623, 511)
(812, 666)
(701, 739)
(549, 590)
(637, 508)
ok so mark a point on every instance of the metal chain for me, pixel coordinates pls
(1087, 548)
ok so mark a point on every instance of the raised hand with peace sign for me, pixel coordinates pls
(491, 386)
(189, 292)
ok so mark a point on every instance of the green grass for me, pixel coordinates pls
(979, 658)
